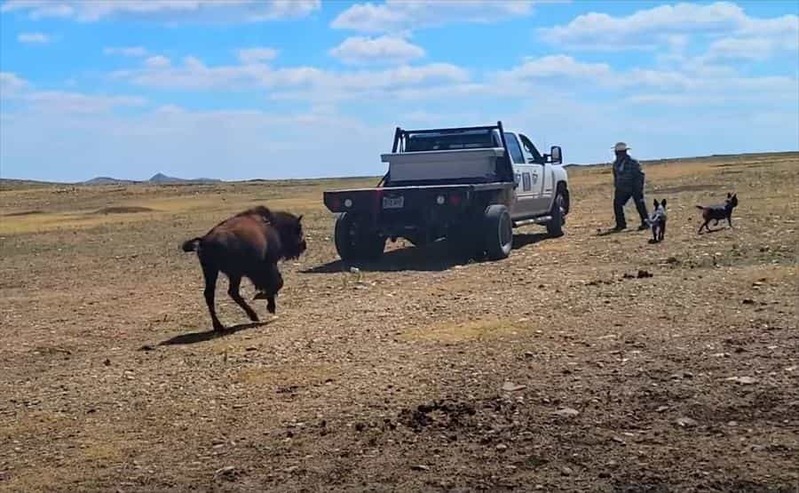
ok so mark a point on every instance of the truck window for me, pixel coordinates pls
(531, 149)
(448, 141)
(513, 148)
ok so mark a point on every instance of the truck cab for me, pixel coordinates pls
(536, 177)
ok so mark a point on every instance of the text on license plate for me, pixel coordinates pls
(393, 202)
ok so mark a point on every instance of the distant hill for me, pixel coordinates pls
(158, 179)
(162, 178)
(106, 180)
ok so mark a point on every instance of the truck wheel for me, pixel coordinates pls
(354, 242)
(498, 232)
(555, 225)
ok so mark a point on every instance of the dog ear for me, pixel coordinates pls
(656, 203)
(729, 195)
(663, 203)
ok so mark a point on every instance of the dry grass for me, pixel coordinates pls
(112, 382)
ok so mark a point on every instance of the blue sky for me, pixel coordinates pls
(239, 89)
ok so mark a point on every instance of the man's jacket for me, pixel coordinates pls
(627, 174)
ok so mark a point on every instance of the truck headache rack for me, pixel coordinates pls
(400, 134)
(431, 141)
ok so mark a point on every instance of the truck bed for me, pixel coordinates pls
(410, 196)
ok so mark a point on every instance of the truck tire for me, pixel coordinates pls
(555, 225)
(498, 232)
(356, 243)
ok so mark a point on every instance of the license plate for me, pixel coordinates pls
(393, 202)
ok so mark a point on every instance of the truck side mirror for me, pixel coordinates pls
(555, 155)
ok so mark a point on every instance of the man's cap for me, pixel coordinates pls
(621, 146)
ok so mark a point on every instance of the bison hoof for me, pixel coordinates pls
(270, 307)
(219, 328)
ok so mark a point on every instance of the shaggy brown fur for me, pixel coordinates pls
(248, 244)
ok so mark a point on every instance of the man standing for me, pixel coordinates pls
(628, 181)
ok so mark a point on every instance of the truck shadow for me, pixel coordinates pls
(435, 257)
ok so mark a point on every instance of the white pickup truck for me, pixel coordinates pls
(470, 186)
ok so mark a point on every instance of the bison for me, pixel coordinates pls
(248, 244)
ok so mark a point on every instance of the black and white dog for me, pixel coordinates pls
(657, 221)
(718, 212)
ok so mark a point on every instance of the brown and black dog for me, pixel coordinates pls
(717, 212)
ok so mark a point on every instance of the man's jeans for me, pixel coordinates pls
(621, 197)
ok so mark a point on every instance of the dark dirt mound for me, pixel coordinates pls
(123, 210)
(24, 213)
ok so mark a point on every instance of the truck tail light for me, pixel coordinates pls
(455, 199)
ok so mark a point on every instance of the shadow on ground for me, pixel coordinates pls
(712, 230)
(435, 257)
(195, 337)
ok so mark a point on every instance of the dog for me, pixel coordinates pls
(657, 221)
(717, 212)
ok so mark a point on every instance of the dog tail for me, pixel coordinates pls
(701, 207)
(190, 245)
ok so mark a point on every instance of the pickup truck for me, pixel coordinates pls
(469, 186)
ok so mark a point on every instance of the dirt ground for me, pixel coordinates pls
(582, 363)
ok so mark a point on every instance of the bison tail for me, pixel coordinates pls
(700, 207)
(190, 245)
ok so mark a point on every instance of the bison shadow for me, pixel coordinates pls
(195, 337)
(712, 230)
(434, 257)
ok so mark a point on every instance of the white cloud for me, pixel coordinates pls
(130, 51)
(11, 84)
(295, 82)
(752, 48)
(688, 80)
(14, 88)
(70, 102)
(684, 83)
(565, 72)
(557, 66)
(390, 49)
(175, 10)
(33, 38)
(401, 15)
(655, 27)
(257, 55)
(157, 61)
